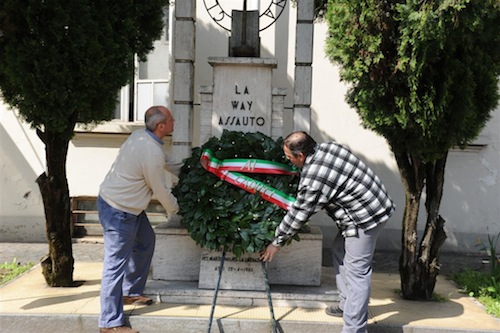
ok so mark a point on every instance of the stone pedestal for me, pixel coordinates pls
(299, 263)
(296, 264)
(178, 258)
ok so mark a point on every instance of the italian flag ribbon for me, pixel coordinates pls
(227, 171)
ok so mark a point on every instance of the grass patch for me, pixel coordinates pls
(440, 298)
(11, 270)
(482, 286)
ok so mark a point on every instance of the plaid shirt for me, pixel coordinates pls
(336, 180)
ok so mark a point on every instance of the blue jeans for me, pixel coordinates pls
(352, 260)
(129, 242)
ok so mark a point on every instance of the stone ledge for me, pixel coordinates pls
(181, 292)
(178, 258)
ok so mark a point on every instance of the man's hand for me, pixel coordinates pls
(268, 254)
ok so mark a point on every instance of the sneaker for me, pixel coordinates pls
(137, 300)
(334, 311)
(118, 329)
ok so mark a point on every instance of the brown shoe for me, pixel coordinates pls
(137, 300)
(118, 329)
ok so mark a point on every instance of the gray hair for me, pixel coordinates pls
(154, 116)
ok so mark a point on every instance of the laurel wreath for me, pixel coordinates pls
(222, 217)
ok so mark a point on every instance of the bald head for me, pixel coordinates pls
(300, 142)
(159, 120)
(156, 115)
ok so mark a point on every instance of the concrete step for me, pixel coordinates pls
(182, 292)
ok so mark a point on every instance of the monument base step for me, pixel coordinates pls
(187, 292)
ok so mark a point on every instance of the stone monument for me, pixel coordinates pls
(241, 98)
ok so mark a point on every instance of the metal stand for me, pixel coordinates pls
(268, 290)
(269, 299)
(221, 267)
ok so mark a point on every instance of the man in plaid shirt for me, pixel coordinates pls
(336, 180)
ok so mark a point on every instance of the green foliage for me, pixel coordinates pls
(221, 216)
(422, 74)
(491, 304)
(471, 281)
(484, 286)
(11, 270)
(63, 60)
(439, 298)
(491, 250)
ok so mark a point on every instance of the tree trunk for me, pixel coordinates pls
(419, 266)
(57, 266)
(413, 176)
(434, 234)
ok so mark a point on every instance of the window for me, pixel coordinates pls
(149, 81)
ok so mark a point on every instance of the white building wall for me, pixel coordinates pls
(22, 160)
(471, 197)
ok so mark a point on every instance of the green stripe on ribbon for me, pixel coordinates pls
(226, 170)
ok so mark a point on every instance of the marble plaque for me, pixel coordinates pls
(296, 264)
(243, 273)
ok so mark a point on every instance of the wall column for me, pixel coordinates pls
(183, 49)
(303, 65)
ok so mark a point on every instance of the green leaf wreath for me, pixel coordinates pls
(220, 216)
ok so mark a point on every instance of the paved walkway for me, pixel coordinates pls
(92, 249)
(28, 305)
(89, 249)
